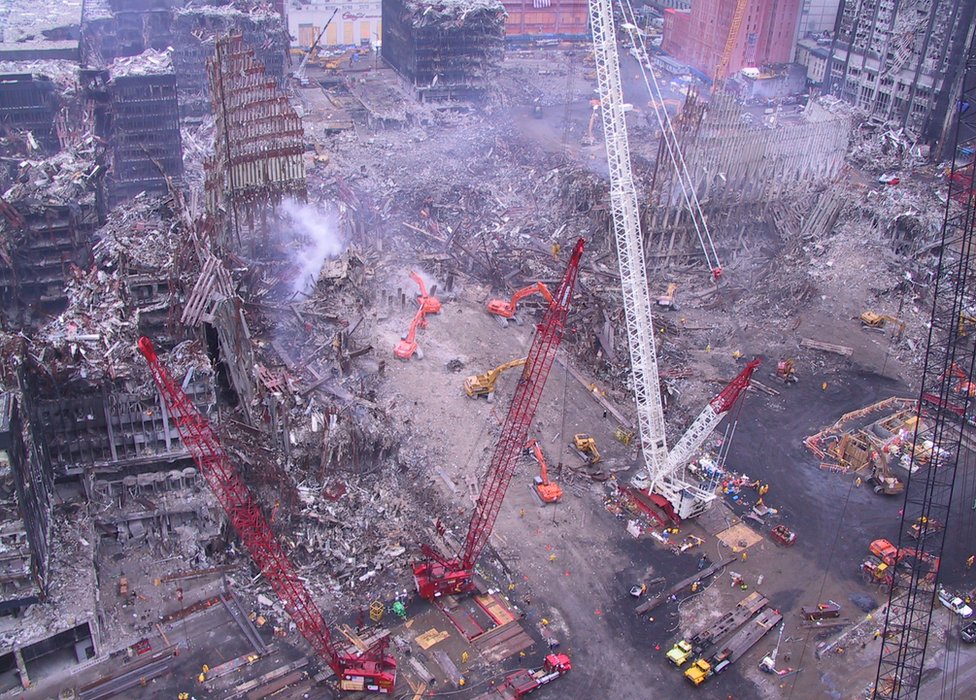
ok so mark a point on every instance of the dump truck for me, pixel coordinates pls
(732, 650)
(711, 635)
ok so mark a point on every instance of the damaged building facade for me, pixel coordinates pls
(901, 62)
(744, 172)
(444, 50)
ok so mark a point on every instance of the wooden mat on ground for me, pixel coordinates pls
(431, 637)
(739, 536)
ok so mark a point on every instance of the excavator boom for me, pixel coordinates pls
(507, 309)
(430, 304)
(548, 491)
(484, 384)
(407, 347)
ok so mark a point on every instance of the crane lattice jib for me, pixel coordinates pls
(707, 420)
(932, 473)
(249, 523)
(733, 35)
(630, 248)
(515, 430)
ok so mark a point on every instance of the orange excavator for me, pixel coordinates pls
(891, 556)
(430, 304)
(548, 491)
(407, 347)
(965, 388)
(505, 310)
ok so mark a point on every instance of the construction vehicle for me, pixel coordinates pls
(373, 669)
(822, 611)
(875, 321)
(876, 571)
(667, 299)
(586, 447)
(548, 491)
(478, 385)
(885, 551)
(438, 575)
(408, 347)
(783, 535)
(965, 388)
(664, 475)
(786, 371)
(430, 304)
(923, 527)
(334, 63)
(732, 650)
(505, 310)
(903, 558)
(312, 51)
(768, 663)
(711, 635)
(524, 681)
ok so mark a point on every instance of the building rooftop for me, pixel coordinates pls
(40, 28)
(149, 62)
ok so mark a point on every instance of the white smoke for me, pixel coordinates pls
(315, 238)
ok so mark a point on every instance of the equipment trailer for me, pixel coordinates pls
(524, 681)
(738, 644)
(730, 621)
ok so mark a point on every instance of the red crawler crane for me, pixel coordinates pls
(438, 575)
(374, 670)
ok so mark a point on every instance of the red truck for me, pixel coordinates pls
(524, 681)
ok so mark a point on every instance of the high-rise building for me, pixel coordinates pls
(698, 37)
(816, 17)
(901, 61)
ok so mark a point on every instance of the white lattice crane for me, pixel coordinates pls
(665, 475)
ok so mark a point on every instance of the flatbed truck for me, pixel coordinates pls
(522, 682)
(732, 650)
(730, 621)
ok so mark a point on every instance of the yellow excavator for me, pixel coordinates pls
(667, 299)
(586, 446)
(478, 385)
(548, 491)
(870, 319)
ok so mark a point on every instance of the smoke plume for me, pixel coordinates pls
(315, 238)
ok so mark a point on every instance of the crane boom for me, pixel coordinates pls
(630, 248)
(198, 436)
(437, 575)
(685, 498)
(936, 471)
(723, 63)
(300, 73)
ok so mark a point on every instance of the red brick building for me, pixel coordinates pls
(555, 18)
(697, 37)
